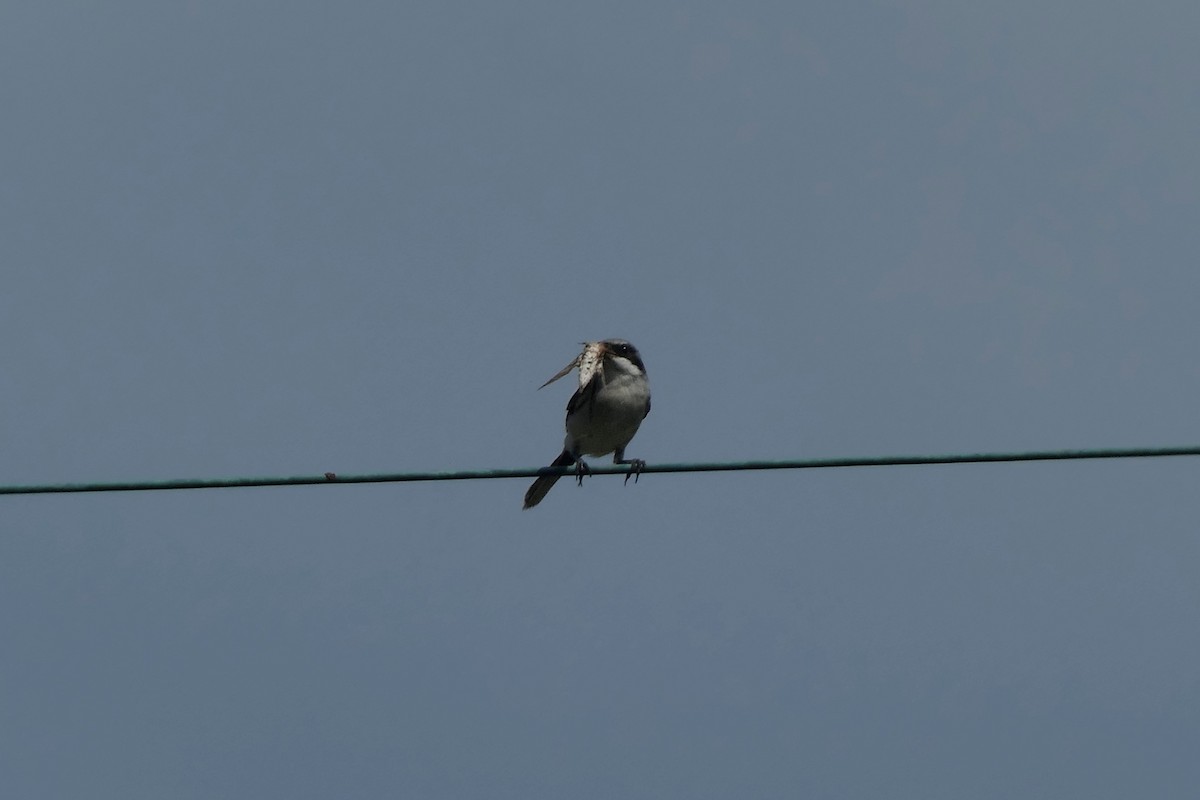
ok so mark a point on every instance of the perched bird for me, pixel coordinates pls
(604, 413)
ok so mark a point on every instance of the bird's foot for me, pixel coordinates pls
(636, 465)
(581, 469)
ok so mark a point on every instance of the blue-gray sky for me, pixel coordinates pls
(285, 238)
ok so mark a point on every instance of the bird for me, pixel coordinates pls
(604, 413)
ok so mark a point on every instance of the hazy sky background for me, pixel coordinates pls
(279, 238)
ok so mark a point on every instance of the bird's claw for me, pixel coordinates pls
(581, 469)
(636, 465)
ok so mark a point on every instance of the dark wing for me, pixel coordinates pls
(647, 408)
(584, 394)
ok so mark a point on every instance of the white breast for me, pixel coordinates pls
(614, 413)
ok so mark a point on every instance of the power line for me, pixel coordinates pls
(820, 463)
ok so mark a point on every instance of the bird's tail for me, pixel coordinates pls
(541, 487)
